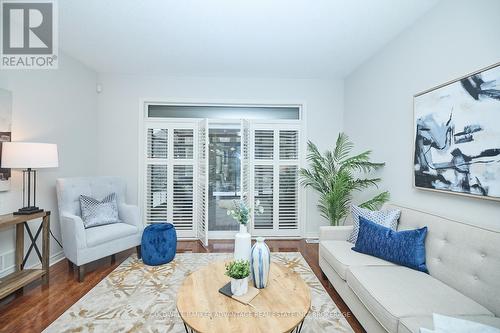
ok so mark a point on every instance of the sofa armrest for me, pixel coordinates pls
(335, 233)
(73, 232)
(130, 215)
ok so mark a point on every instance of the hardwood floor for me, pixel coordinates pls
(35, 307)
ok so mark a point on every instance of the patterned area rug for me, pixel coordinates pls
(140, 298)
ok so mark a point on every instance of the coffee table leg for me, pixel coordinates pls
(298, 328)
(190, 330)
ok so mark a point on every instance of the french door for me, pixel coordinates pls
(176, 175)
(274, 164)
(170, 174)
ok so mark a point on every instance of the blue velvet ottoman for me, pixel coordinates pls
(158, 244)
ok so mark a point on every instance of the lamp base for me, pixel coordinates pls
(28, 210)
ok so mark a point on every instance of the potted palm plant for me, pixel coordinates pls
(334, 175)
(238, 271)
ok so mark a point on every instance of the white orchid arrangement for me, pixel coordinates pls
(242, 213)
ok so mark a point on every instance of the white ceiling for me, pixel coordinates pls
(246, 38)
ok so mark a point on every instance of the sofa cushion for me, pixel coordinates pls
(406, 247)
(106, 233)
(393, 292)
(387, 218)
(413, 324)
(340, 256)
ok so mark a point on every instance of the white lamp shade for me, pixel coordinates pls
(24, 155)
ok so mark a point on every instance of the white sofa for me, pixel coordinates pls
(81, 245)
(463, 280)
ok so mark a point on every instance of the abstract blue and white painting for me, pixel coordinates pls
(457, 136)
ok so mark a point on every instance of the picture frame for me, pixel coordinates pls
(456, 136)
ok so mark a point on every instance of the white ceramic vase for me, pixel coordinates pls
(239, 287)
(242, 244)
(260, 263)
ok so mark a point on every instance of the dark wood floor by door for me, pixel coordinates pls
(35, 307)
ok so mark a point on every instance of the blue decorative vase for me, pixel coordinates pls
(260, 263)
(158, 244)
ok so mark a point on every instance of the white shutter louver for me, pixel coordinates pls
(202, 183)
(245, 161)
(264, 144)
(289, 145)
(156, 193)
(182, 209)
(288, 214)
(183, 143)
(157, 146)
(263, 191)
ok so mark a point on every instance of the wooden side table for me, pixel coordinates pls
(21, 276)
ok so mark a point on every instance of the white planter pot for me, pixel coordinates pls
(242, 244)
(239, 287)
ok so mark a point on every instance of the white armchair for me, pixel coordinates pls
(81, 245)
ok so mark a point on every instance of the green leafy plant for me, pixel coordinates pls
(241, 212)
(238, 269)
(335, 176)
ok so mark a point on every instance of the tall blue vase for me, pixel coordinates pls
(260, 263)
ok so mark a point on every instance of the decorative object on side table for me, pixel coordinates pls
(242, 213)
(333, 176)
(29, 156)
(159, 244)
(457, 136)
(260, 263)
(238, 271)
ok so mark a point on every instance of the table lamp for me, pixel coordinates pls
(29, 156)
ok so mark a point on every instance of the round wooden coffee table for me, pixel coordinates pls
(280, 307)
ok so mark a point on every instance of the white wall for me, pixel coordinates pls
(119, 110)
(453, 39)
(55, 106)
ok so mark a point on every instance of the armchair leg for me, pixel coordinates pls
(70, 266)
(113, 259)
(81, 273)
(138, 249)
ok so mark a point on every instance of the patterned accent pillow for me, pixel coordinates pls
(95, 212)
(406, 248)
(387, 218)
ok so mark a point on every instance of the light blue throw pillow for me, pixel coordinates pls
(406, 248)
(388, 218)
(96, 213)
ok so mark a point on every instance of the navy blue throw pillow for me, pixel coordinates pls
(406, 248)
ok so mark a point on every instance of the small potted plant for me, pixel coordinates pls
(238, 271)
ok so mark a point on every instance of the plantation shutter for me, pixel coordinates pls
(275, 166)
(170, 174)
(202, 182)
(245, 161)
(156, 175)
(183, 178)
(288, 212)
